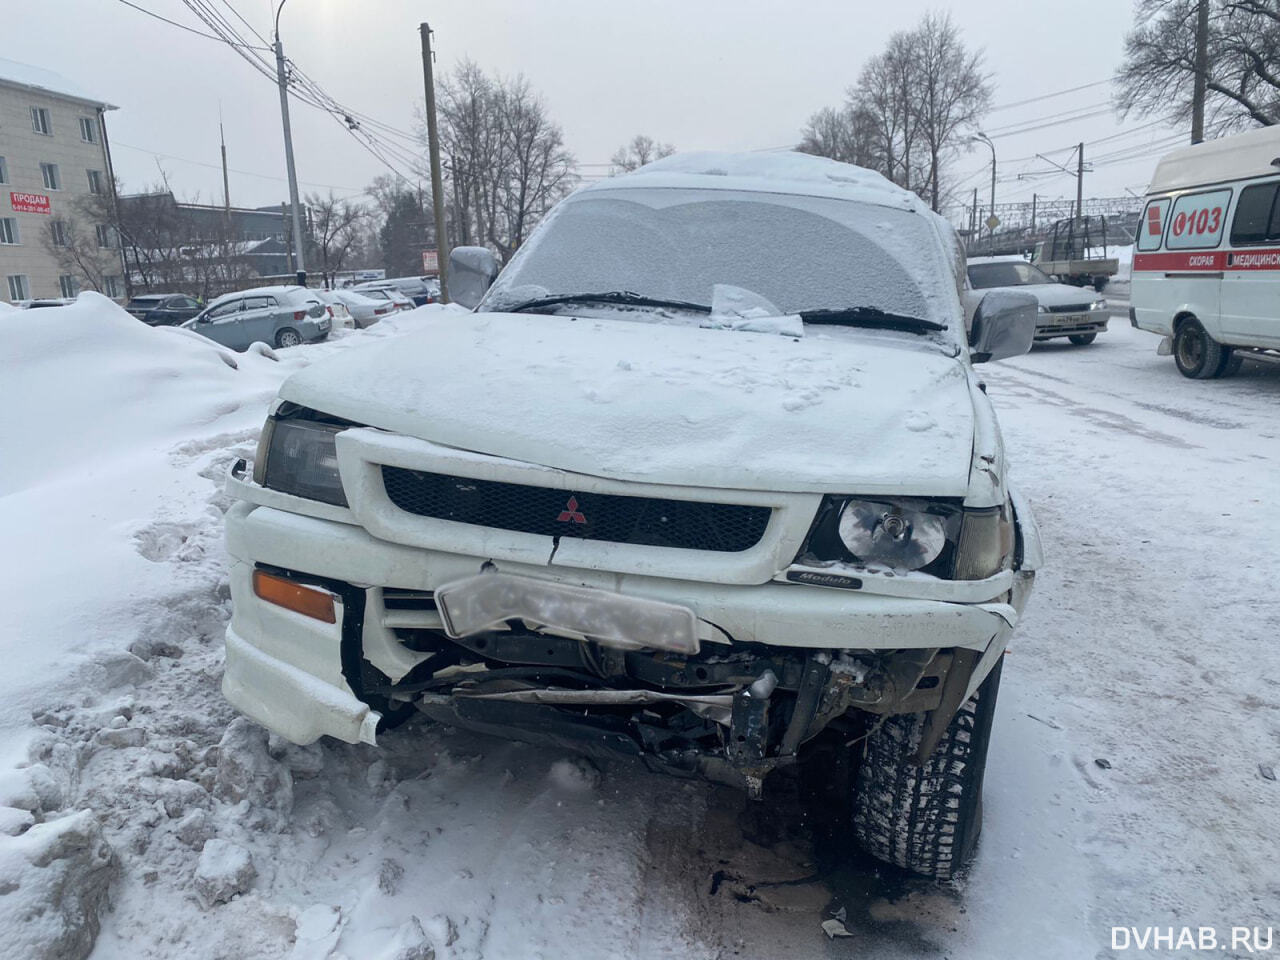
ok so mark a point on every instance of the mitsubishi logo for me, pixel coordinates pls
(571, 513)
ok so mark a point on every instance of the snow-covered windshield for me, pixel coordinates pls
(798, 253)
(1009, 273)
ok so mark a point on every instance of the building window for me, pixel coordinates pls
(69, 286)
(88, 130)
(9, 230)
(4, 171)
(40, 121)
(112, 287)
(58, 232)
(95, 181)
(52, 179)
(104, 235)
(19, 289)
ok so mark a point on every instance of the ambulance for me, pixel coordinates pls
(1206, 261)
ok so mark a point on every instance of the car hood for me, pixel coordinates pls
(1050, 294)
(838, 410)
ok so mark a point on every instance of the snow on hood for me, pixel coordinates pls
(1051, 294)
(838, 411)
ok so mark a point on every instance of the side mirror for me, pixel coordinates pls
(1004, 325)
(471, 272)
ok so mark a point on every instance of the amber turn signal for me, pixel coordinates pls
(308, 601)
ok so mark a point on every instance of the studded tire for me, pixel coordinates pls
(925, 819)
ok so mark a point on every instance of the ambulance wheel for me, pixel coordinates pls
(1197, 354)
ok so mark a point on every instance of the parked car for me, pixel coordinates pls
(420, 290)
(42, 302)
(708, 478)
(279, 316)
(365, 311)
(163, 309)
(1064, 310)
(1206, 264)
(338, 311)
(388, 293)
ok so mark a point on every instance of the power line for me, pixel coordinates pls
(216, 166)
(172, 23)
(1049, 96)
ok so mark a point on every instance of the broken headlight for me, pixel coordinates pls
(891, 534)
(900, 533)
(299, 456)
(936, 537)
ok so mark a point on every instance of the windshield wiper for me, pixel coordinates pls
(872, 318)
(625, 297)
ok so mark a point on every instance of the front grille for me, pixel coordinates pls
(687, 524)
(1072, 308)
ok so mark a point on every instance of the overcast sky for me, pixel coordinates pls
(702, 74)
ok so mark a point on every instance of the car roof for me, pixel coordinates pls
(798, 174)
(260, 292)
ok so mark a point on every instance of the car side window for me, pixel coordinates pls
(255, 303)
(271, 301)
(1253, 214)
(218, 313)
(186, 303)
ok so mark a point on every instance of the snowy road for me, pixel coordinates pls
(1150, 644)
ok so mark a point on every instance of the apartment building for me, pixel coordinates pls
(55, 189)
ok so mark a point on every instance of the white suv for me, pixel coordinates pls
(707, 478)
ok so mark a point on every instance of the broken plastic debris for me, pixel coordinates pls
(834, 928)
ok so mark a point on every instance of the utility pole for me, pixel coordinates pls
(295, 207)
(973, 219)
(437, 186)
(226, 187)
(1033, 214)
(1079, 181)
(1202, 71)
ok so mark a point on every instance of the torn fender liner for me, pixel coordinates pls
(488, 600)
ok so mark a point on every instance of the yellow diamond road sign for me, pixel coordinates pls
(992, 222)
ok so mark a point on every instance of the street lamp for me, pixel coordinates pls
(294, 206)
(981, 137)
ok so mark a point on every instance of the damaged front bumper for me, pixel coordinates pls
(771, 665)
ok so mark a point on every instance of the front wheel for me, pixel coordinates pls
(288, 338)
(1197, 354)
(926, 819)
(1082, 339)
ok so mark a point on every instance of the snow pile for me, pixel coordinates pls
(115, 440)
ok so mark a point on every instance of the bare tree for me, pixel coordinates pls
(640, 150)
(950, 94)
(847, 134)
(85, 244)
(910, 109)
(336, 227)
(1242, 83)
(507, 163)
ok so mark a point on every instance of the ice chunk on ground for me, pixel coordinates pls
(247, 771)
(225, 869)
(54, 879)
